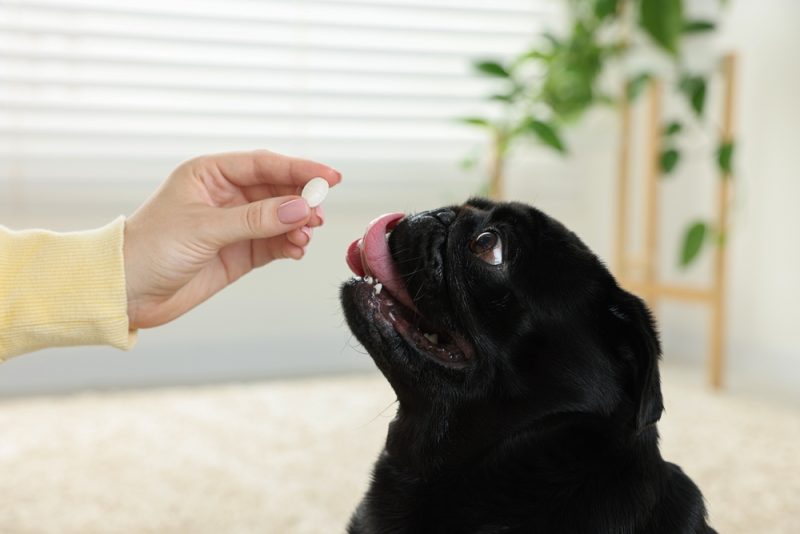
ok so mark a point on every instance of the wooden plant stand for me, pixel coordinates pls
(640, 275)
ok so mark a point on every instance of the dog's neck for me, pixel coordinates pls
(554, 468)
(440, 442)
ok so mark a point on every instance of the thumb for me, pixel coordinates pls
(264, 218)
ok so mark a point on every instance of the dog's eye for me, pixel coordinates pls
(488, 247)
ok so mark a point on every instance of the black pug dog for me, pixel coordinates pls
(527, 381)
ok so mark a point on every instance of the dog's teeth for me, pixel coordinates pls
(368, 279)
(378, 288)
(433, 338)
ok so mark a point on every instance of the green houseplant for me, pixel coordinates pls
(551, 86)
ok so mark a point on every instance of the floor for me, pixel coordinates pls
(294, 457)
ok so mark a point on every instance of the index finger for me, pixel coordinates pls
(262, 167)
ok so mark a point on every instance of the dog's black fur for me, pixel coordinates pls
(549, 424)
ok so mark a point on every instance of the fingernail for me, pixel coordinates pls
(320, 213)
(308, 231)
(293, 211)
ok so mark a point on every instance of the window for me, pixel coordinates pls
(115, 89)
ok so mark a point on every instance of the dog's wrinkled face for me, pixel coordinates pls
(488, 317)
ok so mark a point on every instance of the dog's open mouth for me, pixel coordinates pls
(381, 287)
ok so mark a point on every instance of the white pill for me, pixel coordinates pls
(315, 191)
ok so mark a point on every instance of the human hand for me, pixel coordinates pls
(214, 219)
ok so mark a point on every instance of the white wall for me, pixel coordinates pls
(765, 281)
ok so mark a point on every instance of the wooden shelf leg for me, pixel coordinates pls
(651, 204)
(716, 361)
(623, 181)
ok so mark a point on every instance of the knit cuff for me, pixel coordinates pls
(61, 289)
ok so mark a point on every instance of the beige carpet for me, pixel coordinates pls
(294, 457)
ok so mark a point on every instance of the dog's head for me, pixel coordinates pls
(488, 317)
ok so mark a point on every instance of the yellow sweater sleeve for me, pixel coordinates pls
(60, 289)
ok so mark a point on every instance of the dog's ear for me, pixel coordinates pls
(638, 340)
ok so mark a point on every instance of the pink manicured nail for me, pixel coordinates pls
(293, 211)
(320, 213)
(308, 231)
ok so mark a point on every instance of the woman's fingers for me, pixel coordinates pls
(274, 248)
(262, 167)
(300, 237)
(265, 218)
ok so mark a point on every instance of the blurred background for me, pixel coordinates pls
(101, 99)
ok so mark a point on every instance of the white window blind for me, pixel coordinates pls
(86, 84)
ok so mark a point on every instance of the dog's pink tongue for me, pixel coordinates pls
(370, 256)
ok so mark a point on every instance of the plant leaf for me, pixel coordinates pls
(694, 87)
(468, 163)
(546, 133)
(669, 159)
(692, 242)
(636, 85)
(725, 157)
(672, 128)
(531, 54)
(605, 99)
(605, 8)
(614, 49)
(492, 68)
(698, 26)
(502, 98)
(476, 121)
(663, 20)
(551, 38)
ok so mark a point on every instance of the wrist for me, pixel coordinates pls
(127, 261)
